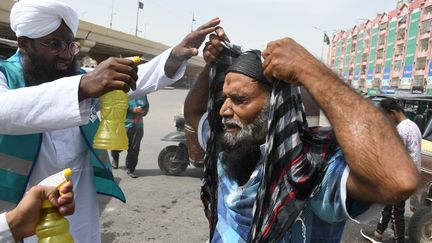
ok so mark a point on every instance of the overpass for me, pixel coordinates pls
(98, 43)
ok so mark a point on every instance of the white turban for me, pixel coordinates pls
(38, 18)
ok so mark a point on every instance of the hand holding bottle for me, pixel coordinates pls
(111, 74)
(24, 217)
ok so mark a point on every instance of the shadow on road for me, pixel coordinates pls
(104, 200)
(193, 172)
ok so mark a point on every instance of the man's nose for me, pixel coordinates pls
(66, 53)
(226, 109)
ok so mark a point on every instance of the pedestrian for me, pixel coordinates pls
(48, 113)
(137, 109)
(21, 221)
(299, 184)
(411, 137)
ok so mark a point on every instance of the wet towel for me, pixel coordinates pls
(38, 18)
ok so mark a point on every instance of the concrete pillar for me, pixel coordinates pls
(86, 45)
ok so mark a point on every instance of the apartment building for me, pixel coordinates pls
(388, 54)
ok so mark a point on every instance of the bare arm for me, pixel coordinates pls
(380, 167)
(196, 101)
(195, 104)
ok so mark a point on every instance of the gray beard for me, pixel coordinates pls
(242, 150)
(251, 134)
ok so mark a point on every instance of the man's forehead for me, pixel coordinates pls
(240, 84)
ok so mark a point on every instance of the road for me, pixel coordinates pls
(164, 208)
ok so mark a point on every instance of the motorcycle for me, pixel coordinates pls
(174, 159)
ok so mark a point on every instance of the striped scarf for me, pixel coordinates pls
(294, 160)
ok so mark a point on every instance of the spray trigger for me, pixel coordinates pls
(58, 179)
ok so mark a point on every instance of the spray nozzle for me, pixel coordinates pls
(137, 59)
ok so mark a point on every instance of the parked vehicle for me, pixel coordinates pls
(174, 159)
(418, 108)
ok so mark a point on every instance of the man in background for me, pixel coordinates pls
(411, 137)
(137, 109)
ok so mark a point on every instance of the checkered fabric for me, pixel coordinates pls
(294, 164)
(210, 182)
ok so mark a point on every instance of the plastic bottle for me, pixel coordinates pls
(111, 133)
(53, 227)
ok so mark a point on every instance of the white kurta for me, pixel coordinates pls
(53, 110)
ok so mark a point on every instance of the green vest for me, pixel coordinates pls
(19, 153)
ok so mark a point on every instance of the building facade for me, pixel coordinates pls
(390, 54)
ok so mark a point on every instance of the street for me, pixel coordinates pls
(164, 208)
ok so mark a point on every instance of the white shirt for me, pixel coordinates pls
(53, 110)
(411, 137)
(5, 233)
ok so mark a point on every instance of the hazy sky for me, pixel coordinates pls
(252, 23)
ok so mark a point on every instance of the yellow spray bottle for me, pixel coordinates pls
(111, 133)
(53, 227)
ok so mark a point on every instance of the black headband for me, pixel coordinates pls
(249, 63)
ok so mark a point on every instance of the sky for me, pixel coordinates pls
(250, 23)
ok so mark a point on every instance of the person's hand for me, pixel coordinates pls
(23, 219)
(286, 60)
(137, 110)
(111, 74)
(214, 46)
(188, 47)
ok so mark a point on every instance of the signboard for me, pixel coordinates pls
(407, 74)
(388, 90)
(429, 79)
(386, 77)
(417, 90)
(373, 91)
(356, 74)
(369, 77)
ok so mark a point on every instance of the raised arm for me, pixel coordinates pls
(380, 167)
(195, 104)
(196, 101)
(188, 47)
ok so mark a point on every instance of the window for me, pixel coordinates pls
(425, 26)
(399, 50)
(381, 40)
(420, 63)
(402, 20)
(380, 54)
(397, 65)
(378, 68)
(400, 34)
(363, 69)
(394, 82)
(353, 47)
(427, 10)
(424, 44)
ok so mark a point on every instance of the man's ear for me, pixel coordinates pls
(24, 44)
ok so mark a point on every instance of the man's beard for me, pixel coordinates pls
(38, 71)
(242, 149)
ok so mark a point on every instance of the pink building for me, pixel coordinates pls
(388, 54)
